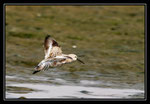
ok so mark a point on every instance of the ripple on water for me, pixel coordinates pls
(63, 91)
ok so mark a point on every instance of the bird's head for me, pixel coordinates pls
(74, 57)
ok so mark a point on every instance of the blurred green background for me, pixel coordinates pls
(109, 39)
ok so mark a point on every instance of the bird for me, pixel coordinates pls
(54, 56)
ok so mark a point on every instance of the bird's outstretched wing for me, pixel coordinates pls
(51, 47)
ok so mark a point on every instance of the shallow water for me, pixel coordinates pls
(55, 83)
(63, 91)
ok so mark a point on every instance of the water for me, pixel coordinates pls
(75, 80)
(56, 83)
(64, 91)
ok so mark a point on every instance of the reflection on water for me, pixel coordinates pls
(62, 91)
(63, 84)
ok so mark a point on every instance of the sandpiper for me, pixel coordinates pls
(54, 56)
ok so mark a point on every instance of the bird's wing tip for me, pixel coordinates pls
(35, 71)
(47, 36)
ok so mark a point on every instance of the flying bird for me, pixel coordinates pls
(54, 56)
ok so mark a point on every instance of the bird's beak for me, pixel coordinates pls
(80, 61)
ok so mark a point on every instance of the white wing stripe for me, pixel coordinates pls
(49, 49)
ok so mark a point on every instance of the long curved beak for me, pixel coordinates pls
(80, 61)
